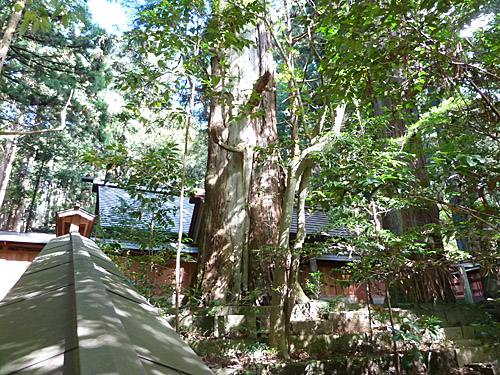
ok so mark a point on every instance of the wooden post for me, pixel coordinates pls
(465, 284)
(314, 269)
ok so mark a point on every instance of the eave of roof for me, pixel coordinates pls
(127, 245)
(34, 238)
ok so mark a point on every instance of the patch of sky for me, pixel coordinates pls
(476, 24)
(111, 16)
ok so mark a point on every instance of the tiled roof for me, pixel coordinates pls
(317, 222)
(73, 312)
(112, 198)
(116, 207)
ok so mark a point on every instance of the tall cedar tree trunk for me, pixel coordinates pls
(9, 156)
(266, 188)
(31, 209)
(242, 194)
(432, 284)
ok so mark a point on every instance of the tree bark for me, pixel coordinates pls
(233, 184)
(10, 30)
(9, 156)
(31, 209)
(42, 212)
(17, 221)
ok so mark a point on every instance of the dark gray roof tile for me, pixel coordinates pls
(111, 199)
(317, 223)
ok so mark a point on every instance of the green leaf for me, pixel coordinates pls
(80, 16)
(24, 26)
(65, 20)
(42, 11)
(397, 337)
(30, 15)
(36, 26)
(18, 7)
(45, 23)
(471, 161)
(413, 338)
(57, 12)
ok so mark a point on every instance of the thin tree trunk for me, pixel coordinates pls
(378, 227)
(29, 216)
(8, 159)
(18, 221)
(9, 156)
(43, 208)
(10, 30)
(283, 263)
(297, 248)
(394, 343)
(181, 203)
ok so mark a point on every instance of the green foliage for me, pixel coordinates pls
(138, 167)
(489, 329)
(411, 333)
(148, 174)
(422, 138)
(392, 50)
(259, 349)
(314, 284)
(142, 269)
(43, 67)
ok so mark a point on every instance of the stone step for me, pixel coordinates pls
(476, 354)
(485, 368)
(467, 343)
(468, 332)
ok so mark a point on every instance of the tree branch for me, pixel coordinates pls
(485, 98)
(467, 210)
(230, 148)
(59, 128)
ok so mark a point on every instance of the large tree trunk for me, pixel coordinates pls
(266, 188)
(10, 30)
(231, 180)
